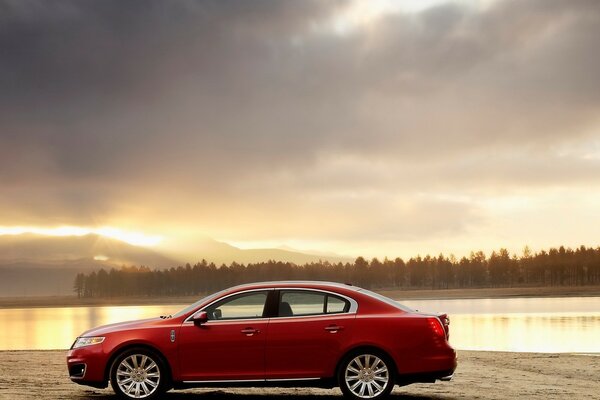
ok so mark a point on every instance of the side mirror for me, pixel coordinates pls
(200, 317)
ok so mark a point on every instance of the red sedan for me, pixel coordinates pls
(294, 333)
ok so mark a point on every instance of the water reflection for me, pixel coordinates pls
(540, 332)
(532, 324)
(57, 328)
(555, 325)
(510, 305)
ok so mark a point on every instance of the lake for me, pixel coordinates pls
(553, 325)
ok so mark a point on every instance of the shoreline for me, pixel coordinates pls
(396, 294)
(480, 374)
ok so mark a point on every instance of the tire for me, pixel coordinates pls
(139, 373)
(366, 374)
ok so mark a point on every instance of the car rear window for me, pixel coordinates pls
(387, 300)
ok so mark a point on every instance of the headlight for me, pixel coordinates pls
(87, 341)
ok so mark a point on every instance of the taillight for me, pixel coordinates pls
(446, 323)
(436, 327)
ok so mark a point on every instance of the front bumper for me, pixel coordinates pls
(87, 366)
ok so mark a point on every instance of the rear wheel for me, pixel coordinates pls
(139, 374)
(366, 375)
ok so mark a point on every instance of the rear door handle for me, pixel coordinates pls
(249, 331)
(333, 328)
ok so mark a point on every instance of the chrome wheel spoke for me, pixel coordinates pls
(145, 388)
(380, 370)
(357, 384)
(126, 365)
(149, 367)
(359, 363)
(149, 382)
(362, 389)
(370, 388)
(350, 368)
(126, 381)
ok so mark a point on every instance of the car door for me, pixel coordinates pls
(306, 338)
(230, 345)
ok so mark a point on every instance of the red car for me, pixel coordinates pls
(315, 334)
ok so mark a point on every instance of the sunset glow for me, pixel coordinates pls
(134, 238)
(375, 128)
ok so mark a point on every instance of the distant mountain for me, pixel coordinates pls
(223, 253)
(37, 265)
(33, 264)
(86, 252)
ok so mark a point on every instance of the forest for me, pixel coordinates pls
(555, 267)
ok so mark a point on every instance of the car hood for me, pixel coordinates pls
(119, 326)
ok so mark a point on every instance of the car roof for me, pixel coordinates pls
(298, 283)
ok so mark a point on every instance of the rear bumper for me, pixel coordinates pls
(428, 369)
(425, 377)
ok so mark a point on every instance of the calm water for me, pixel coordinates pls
(533, 324)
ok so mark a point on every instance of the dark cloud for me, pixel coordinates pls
(109, 103)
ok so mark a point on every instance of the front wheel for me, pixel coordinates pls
(366, 375)
(138, 374)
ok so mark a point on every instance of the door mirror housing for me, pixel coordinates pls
(200, 317)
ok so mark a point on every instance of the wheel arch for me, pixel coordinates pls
(366, 347)
(136, 345)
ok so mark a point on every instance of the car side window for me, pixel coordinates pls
(304, 302)
(337, 305)
(242, 306)
(295, 303)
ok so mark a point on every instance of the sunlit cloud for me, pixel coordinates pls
(361, 14)
(374, 127)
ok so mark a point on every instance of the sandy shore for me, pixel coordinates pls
(487, 293)
(480, 375)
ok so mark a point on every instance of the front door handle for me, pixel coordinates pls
(249, 331)
(333, 328)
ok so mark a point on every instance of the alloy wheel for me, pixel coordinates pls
(366, 376)
(138, 376)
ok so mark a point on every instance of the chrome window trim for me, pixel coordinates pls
(352, 310)
(188, 319)
(353, 303)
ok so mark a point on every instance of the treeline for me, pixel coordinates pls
(556, 267)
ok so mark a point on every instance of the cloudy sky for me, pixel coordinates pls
(377, 128)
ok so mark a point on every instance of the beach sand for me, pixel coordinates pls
(480, 375)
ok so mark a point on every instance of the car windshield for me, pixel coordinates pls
(387, 300)
(192, 307)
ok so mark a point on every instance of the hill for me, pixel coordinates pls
(223, 253)
(46, 265)
(38, 265)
